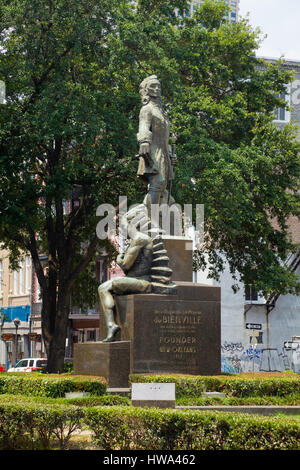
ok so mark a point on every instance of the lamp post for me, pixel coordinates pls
(2, 319)
(17, 323)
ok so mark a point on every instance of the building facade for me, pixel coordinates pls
(20, 313)
(15, 306)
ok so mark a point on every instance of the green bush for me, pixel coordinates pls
(68, 368)
(150, 428)
(231, 385)
(288, 400)
(185, 385)
(104, 400)
(93, 400)
(44, 423)
(32, 426)
(114, 400)
(50, 385)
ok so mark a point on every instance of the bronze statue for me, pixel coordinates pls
(145, 262)
(155, 162)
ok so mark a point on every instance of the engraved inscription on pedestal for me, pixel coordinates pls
(177, 333)
(173, 334)
(182, 338)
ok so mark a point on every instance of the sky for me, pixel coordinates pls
(280, 20)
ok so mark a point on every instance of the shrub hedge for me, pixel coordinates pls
(32, 426)
(231, 385)
(104, 400)
(36, 423)
(114, 400)
(93, 400)
(50, 385)
(288, 400)
(149, 428)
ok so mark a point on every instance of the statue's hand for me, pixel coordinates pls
(145, 148)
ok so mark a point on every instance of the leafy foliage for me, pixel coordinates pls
(232, 385)
(142, 428)
(50, 385)
(33, 426)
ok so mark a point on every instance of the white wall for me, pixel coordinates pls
(232, 320)
(277, 327)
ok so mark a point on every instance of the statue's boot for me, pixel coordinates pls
(111, 333)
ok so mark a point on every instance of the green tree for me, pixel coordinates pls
(72, 69)
(234, 160)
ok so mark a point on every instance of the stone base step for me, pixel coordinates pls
(213, 394)
(119, 391)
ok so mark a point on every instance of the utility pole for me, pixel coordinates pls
(17, 324)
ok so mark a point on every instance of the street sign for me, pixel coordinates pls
(291, 345)
(253, 326)
(32, 336)
(7, 337)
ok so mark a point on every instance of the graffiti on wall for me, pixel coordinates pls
(231, 347)
(291, 350)
(231, 360)
(237, 358)
(231, 364)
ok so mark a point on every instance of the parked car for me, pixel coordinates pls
(30, 364)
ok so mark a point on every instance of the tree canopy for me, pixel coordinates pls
(72, 70)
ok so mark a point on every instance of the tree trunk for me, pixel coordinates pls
(55, 326)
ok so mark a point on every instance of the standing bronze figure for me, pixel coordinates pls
(155, 164)
(145, 262)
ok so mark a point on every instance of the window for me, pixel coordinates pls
(27, 274)
(65, 207)
(250, 293)
(23, 363)
(80, 335)
(21, 276)
(16, 282)
(91, 335)
(18, 279)
(41, 363)
(38, 290)
(282, 114)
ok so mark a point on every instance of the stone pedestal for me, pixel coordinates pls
(109, 360)
(173, 334)
(181, 257)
